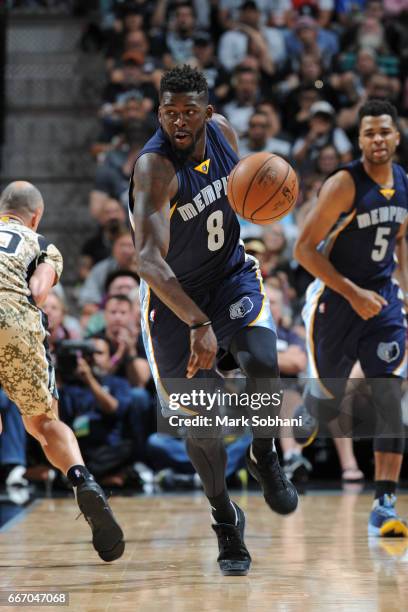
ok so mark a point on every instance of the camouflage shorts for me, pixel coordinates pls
(26, 372)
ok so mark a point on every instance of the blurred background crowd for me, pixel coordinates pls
(290, 75)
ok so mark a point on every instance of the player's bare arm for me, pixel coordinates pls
(155, 184)
(336, 197)
(43, 279)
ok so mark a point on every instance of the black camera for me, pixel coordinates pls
(67, 353)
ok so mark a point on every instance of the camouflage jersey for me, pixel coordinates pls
(21, 251)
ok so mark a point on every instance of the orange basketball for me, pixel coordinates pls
(262, 188)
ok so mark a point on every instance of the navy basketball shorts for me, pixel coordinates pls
(237, 301)
(337, 337)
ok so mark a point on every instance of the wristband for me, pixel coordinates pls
(198, 325)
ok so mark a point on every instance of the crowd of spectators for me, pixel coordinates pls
(290, 76)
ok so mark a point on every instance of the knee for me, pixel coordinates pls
(324, 410)
(254, 349)
(255, 366)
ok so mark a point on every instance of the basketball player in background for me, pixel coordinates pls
(29, 267)
(354, 309)
(199, 290)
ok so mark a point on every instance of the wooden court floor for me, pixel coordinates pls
(318, 559)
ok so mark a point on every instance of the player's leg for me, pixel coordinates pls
(332, 330)
(254, 350)
(383, 360)
(209, 458)
(57, 440)
(167, 343)
(28, 378)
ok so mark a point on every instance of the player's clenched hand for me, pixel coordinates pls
(367, 303)
(203, 347)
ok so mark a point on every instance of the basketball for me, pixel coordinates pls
(262, 188)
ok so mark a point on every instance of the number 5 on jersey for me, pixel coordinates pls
(381, 243)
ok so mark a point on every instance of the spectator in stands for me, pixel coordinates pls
(115, 118)
(246, 94)
(179, 37)
(123, 256)
(297, 110)
(257, 138)
(275, 258)
(112, 217)
(129, 358)
(128, 23)
(99, 408)
(308, 37)
(250, 37)
(309, 73)
(59, 327)
(204, 59)
(322, 131)
(229, 12)
(328, 160)
(112, 176)
(119, 282)
(130, 78)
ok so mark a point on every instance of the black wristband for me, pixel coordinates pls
(198, 325)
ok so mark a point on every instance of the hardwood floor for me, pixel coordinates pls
(317, 559)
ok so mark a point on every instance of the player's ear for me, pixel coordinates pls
(398, 137)
(36, 218)
(209, 112)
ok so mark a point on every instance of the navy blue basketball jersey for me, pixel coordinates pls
(204, 231)
(361, 244)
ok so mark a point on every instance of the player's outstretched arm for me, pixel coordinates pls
(336, 197)
(155, 184)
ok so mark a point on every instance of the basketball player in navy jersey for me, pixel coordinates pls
(199, 291)
(355, 309)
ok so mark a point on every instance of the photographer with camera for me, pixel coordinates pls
(99, 408)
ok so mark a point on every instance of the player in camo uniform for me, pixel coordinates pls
(29, 267)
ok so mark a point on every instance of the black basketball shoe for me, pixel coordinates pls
(107, 535)
(307, 430)
(234, 558)
(279, 493)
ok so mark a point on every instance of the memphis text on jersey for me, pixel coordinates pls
(206, 196)
(383, 214)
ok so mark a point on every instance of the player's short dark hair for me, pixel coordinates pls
(377, 107)
(184, 79)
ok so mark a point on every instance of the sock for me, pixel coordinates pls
(222, 509)
(384, 487)
(262, 446)
(77, 474)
